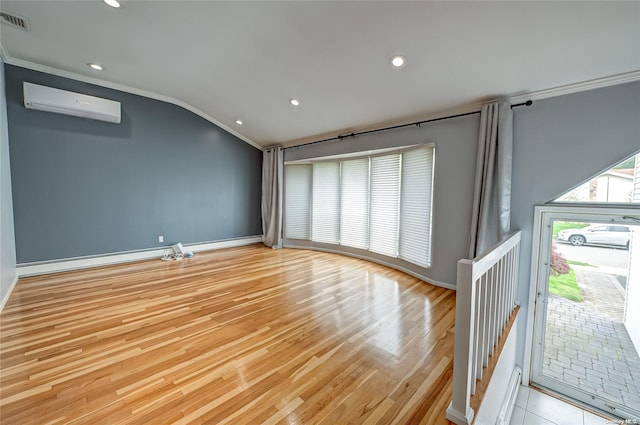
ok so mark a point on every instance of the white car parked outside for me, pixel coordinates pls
(600, 234)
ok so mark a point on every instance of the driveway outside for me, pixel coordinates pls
(586, 344)
(611, 260)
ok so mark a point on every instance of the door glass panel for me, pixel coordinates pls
(591, 337)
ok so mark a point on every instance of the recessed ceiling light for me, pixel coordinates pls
(294, 102)
(239, 122)
(398, 61)
(95, 66)
(112, 3)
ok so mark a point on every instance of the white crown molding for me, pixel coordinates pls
(124, 88)
(597, 83)
(513, 98)
(471, 107)
(462, 109)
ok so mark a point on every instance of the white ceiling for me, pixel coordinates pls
(245, 60)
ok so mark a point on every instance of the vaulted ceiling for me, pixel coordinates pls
(244, 61)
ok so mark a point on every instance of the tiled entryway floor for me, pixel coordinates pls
(535, 408)
(587, 345)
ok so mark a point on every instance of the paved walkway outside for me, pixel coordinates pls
(587, 345)
(601, 291)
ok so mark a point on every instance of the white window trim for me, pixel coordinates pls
(344, 249)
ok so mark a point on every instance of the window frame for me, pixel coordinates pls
(358, 251)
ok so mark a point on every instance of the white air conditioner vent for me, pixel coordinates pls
(48, 99)
(15, 20)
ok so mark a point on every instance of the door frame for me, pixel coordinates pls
(540, 254)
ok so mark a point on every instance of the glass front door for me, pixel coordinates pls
(587, 329)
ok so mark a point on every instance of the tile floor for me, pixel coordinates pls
(535, 408)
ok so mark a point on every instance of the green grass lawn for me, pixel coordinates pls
(579, 263)
(565, 286)
(562, 225)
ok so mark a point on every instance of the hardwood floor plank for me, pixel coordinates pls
(246, 335)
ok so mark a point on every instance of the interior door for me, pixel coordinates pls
(581, 347)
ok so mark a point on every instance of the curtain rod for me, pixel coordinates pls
(417, 123)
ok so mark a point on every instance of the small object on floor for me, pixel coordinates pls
(175, 254)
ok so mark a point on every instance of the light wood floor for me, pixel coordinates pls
(240, 336)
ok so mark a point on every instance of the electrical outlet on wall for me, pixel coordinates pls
(160, 238)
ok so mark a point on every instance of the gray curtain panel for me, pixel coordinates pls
(272, 176)
(491, 215)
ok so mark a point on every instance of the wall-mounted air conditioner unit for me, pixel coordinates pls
(65, 102)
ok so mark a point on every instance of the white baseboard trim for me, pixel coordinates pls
(232, 243)
(6, 296)
(375, 260)
(506, 409)
(428, 279)
(56, 266)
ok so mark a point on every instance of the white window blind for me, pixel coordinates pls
(415, 206)
(297, 189)
(385, 191)
(354, 217)
(376, 203)
(326, 202)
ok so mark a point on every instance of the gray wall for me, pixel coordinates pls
(560, 143)
(7, 242)
(83, 187)
(455, 159)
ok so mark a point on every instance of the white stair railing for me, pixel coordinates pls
(485, 298)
